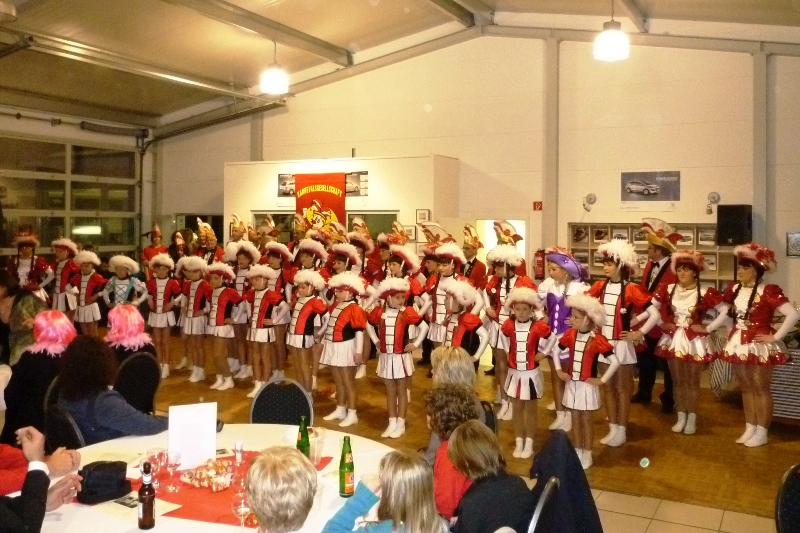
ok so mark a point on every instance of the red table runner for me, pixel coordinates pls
(203, 504)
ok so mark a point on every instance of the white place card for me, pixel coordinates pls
(193, 432)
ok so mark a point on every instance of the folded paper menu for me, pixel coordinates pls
(193, 432)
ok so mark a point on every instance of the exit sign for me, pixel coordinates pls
(537, 206)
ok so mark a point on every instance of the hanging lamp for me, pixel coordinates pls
(274, 80)
(612, 44)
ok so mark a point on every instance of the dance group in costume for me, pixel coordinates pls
(330, 295)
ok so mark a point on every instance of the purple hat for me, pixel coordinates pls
(564, 259)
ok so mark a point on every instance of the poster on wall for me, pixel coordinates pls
(659, 186)
(356, 184)
(320, 198)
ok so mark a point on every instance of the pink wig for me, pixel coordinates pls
(53, 331)
(126, 328)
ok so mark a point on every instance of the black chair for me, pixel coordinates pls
(137, 381)
(491, 417)
(545, 511)
(60, 430)
(281, 402)
(51, 396)
(787, 504)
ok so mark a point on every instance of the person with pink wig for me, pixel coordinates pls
(126, 334)
(36, 369)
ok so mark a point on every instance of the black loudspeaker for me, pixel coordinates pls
(734, 224)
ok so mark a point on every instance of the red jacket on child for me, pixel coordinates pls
(302, 322)
(269, 299)
(597, 346)
(405, 319)
(538, 331)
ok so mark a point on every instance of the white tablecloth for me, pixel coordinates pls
(87, 519)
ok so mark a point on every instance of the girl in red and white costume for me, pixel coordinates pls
(196, 304)
(529, 341)
(390, 328)
(467, 330)
(31, 270)
(163, 292)
(343, 344)
(404, 263)
(619, 298)
(275, 255)
(89, 286)
(450, 258)
(372, 268)
(503, 259)
(584, 346)
(306, 322)
(245, 255)
(264, 308)
(222, 315)
(684, 342)
(64, 267)
(753, 345)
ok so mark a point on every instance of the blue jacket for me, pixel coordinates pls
(358, 505)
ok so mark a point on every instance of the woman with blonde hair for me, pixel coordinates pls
(405, 492)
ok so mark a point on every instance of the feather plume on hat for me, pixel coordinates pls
(312, 247)
(621, 251)
(506, 254)
(347, 281)
(589, 305)
(222, 269)
(409, 257)
(688, 257)
(659, 233)
(66, 244)
(312, 277)
(262, 271)
(452, 251)
(125, 262)
(349, 251)
(86, 256)
(245, 247)
(191, 262)
(523, 295)
(464, 293)
(162, 260)
(278, 248)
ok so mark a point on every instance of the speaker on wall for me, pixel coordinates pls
(734, 224)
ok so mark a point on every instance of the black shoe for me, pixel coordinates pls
(667, 408)
(489, 372)
(640, 398)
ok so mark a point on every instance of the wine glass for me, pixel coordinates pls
(240, 505)
(155, 457)
(171, 461)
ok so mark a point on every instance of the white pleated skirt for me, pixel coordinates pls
(437, 332)
(496, 337)
(87, 313)
(299, 341)
(261, 335)
(225, 331)
(395, 365)
(680, 347)
(64, 301)
(161, 320)
(581, 396)
(195, 325)
(625, 352)
(339, 353)
(240, 316)
(524, 384)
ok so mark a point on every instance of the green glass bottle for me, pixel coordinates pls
(303, 444)
(347, 483)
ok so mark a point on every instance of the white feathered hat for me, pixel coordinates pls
(505, 253)
(162, 260)
(522, 295)
(315, 248)
(191, 262)
(349, 251)
(757, 253)
(363, 240)
(409, 257)
(391, 286)
(347, 281)
(223, 269)
(278, 248)
(464, 293)
(589, 305)
(67, 244)
(86, 256)
(123, 261)
(452, 251)
(312, 277)
(242, 247)
(621, 251)
(261, 271)
(690, 257)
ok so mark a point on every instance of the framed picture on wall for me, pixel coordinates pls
(582, 258)
(411, 231)
(793, 243)
(421, 248)
(580, 234)
(706, 236)
(641, 260)
(598, 259)
(687, 237)
(711, 262)
(620, 233)
(639, 236)
(423, 215)
(600, 235)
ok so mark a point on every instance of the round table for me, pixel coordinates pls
(79, 518)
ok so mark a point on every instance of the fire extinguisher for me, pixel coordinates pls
(538, 264)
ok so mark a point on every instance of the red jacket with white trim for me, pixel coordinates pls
(171, 290)
(493, 287)
(268, 302)
(539, 331)
(305, 320)
(405, 319)
(351, 320)
(226, 301)
(632, 297)
(598, 345)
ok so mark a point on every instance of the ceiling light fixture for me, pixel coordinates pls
(612, 43)
(8, 11)
(274, 80)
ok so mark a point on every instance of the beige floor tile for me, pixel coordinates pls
(657, 526)
(690, 515)
(746, 523)
(596, 493)
(628, 504)
(622, 523)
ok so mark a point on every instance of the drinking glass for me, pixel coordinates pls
(240, 506)
(154, 456)
(317, 443)
(171, 462)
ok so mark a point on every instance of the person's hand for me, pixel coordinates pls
(764, 338)
(594, 381)
(410, 347)
(27, 323)
(359, 357)
(63, 461)
(634, 321)
(563, 375)
(539, 356)
(267, 322)
(669, 326)
(699, 328)
(632, 336)
(229, 321)
(32, 443)
(373, 483)
(491, 312)
(63, 491)
(167, 307)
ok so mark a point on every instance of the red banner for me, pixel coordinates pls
(320, 198)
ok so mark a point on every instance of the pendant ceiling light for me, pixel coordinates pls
(274, 80)
(8, 11)
(612, 43)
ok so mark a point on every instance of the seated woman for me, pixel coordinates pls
(88, 369)
(33, 373)
(126, 334)
(496, 498)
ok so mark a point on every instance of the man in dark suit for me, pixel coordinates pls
(661, 238)
(25, 513)
(474, 270)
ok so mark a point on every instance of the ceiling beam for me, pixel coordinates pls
(633, 12)
(455, 11)
(483, 14)
(69, 49)
(236, 16)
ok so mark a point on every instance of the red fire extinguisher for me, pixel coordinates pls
(538, 264)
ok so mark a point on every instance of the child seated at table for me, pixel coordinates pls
(406, 499)
(281, 485)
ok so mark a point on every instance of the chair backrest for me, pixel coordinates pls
(281, 402)
(491, 417)
(505, 529)
(60, 430)
(543, 514)
(137, 381)
(51, 396)
(787, 504)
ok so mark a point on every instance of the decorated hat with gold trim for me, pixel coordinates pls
(205, 230)
(758, 254)
(692, 258)
(659, 233)
(471, 237)
(506, 233)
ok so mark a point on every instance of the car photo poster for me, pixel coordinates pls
(320, 198)
(659, 186)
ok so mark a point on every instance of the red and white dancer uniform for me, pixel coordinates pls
(240, 282)
(87, 285)
(507, 234)
(307, 311)
(63, 299)
(153, 250)
(474, 269)
(209, 254)
(32, 272)
(161, 293)
(224, 303)
(526, 339)
(344, 334)
(264, 304)
(498, 288)
(440, 311)
(196, 297)
(279, 283)
(468, 331)
(317, 250)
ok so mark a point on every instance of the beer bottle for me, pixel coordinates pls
(303, 444)
(346, 471)
(147, 500)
